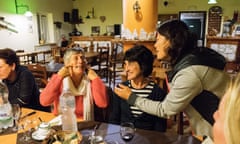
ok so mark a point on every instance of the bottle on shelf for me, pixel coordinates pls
(67, 106)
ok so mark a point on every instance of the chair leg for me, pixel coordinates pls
(114, 79)
(180, 124)
(111, 79)
(106, 75)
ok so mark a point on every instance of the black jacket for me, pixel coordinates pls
(121, 112)
(24, 90)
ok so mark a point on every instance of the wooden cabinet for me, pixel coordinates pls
(229, 47)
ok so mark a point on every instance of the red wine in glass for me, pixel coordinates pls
(127, 131)
(127, 137)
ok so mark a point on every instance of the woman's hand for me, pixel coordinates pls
(91, 74)
(64, 71)
(123, 91)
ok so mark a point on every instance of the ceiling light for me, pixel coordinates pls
(212, 1)
(28, 14)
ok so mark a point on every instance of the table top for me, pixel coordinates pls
(91, 57)
(111, 132)
(91, 54)
(54, 67)
(12, 137)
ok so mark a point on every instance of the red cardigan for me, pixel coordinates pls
(51, 93)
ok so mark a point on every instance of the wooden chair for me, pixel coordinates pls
(27, 57)
(115, 63)
(40, 74)
(45, 56)
(102, 62)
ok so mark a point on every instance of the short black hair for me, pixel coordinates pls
(9, 56)
(143, 56)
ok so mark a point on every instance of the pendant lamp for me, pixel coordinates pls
(212, 1)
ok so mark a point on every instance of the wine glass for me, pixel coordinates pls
(127, 131)
(16, 112)
(27, 129)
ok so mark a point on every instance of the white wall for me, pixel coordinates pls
(26, 37)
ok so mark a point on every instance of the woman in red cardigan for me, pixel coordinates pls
(85, 86)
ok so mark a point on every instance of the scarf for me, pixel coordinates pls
(83, 89)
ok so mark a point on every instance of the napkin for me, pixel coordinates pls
(56, 121)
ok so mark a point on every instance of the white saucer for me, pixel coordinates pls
(39, 136)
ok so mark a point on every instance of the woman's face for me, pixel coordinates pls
(162, 46)
(77, 63)
(5, 69)
(218, 127)
(132, 70)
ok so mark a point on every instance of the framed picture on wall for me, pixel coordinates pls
(237, 30)
(110, 30)
(95, 30)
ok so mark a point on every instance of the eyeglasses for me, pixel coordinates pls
(77, 49)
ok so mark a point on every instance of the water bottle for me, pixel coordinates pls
(6, 119)
(67, 105)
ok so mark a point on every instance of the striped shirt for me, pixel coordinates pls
(144, 92)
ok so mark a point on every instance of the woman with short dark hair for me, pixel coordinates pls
(21, 84)
(138, 65)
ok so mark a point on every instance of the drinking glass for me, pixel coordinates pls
(127, 131)
(27, 129)
(16, 112)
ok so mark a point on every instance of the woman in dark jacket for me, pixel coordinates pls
(138, 64)
(21, 84)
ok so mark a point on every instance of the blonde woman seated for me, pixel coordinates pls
(226, 129)
(86, 86)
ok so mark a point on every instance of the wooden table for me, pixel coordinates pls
(12, 138)
(54, 68)
(111, 132)
(27, 57)
(91, 57)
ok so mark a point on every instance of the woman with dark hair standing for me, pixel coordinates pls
(138, 64)
(197, 80)
(21, 84)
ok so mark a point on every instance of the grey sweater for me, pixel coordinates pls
(187, 84)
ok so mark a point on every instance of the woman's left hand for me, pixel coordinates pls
(91, 74)
(123, 91)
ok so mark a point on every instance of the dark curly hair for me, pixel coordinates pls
(9, 56)
(143, 56)
(182, 41)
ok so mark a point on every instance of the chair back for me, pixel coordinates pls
(102, 62)
(103, 57)
(40, 74)
(115, 63)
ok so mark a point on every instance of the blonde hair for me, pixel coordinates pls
(232, 112)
